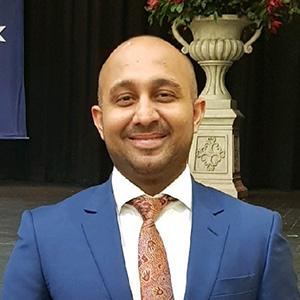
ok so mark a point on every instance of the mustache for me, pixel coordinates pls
(158, 129)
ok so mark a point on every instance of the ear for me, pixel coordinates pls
(199, 110)
(97, 115)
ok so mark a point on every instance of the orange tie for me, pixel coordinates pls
(153, 265)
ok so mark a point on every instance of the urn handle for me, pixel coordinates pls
(248, 45)
(179, 38)
(185, 49)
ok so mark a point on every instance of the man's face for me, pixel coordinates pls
(147, 117)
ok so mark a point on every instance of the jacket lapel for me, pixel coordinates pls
(209, 232)
(101, 230)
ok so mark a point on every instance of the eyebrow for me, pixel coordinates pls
(165, 82)
(121, 84)
(155, 83)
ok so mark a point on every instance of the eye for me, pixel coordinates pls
(124, 100)
(165, 96)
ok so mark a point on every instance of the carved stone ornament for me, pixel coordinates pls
(211, 154)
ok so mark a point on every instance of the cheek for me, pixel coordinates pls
(181, 120)
(114, 122)
(185, 128)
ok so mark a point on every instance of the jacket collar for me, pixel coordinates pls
(101, 230)
(209, 233)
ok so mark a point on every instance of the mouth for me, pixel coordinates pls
(147, 140)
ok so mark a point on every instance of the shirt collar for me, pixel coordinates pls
(124, 190)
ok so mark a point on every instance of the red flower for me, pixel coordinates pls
(152, 4)
(275, 25)
(274, 4)
(272, 7)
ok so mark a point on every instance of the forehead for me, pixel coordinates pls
(144, 62)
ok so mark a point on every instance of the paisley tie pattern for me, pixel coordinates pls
(153, 265)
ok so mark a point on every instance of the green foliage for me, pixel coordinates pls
(262, 12)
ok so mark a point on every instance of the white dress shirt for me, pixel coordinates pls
(173, 224)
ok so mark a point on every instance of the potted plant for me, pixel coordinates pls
(217, 26)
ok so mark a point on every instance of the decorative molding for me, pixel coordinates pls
(216, 49)
(211, 153)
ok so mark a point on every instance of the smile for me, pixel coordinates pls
(147, 140)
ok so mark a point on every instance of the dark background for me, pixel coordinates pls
(66, 41)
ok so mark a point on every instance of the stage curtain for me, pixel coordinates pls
(65, 44)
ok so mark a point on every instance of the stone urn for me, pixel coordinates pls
(215, 156)
(216, 45)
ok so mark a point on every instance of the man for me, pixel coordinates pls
(91, 245)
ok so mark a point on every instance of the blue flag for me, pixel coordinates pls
(12, 95)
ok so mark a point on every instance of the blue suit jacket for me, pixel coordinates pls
(72, 250)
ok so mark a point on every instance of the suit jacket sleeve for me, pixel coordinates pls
(279, 280)
(24, 278)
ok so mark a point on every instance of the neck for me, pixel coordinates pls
(153, 184)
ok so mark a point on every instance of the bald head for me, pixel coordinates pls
(147, 46)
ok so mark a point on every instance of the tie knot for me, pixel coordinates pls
(149, 207)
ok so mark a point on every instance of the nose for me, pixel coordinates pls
(146, 112)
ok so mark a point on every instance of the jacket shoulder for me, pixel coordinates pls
(215, 200)
(74, 203)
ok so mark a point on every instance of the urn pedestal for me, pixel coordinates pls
(215, 154)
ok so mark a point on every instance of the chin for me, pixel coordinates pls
(148, 167)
